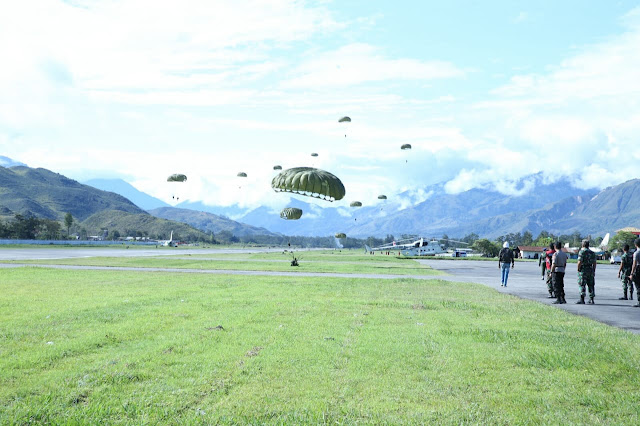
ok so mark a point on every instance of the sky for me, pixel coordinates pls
(486, 92)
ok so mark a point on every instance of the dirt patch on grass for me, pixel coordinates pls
(253, 352)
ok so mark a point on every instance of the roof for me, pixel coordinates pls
(629, 229)
(531, 248)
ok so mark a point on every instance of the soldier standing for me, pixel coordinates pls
(635, 270)
(558, 265)
(549, 257)
(626, 263)
(541, 262)
(586, 272)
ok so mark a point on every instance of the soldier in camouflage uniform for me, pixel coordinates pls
(549, 260)
(586, 272)
(624, 272)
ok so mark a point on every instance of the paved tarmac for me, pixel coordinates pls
(524, 281)
(78, 252)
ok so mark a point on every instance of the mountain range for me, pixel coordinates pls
(557, 207)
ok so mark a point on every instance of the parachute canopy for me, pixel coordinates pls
(314, 154)
(345, 119)
(406, 146)
(309, 181)
(382, 197)
(242, 174)
(277, 167)
(355, 204)
(291, 213)
(177, 178)
(341, 235)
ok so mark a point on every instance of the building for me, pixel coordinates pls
(530, 252)
(634, 231)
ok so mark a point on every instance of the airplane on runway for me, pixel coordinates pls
(416, 248)
(169, 242)
(599, 250)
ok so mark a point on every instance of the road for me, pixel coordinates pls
(524, 281)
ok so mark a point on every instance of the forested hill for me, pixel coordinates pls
(43, 193)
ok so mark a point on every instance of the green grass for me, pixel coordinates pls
(142, 347)
(334, 262)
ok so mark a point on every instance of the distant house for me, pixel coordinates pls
(530, 252)
(634, 231)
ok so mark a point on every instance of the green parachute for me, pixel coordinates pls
(345, 120)
(314, 154)
(406, 146)
(382, 197)
(310, 182)
(291, 213)
(341, 235)
(242, 174)
(355, 204)
(177, 178)
(277, 167)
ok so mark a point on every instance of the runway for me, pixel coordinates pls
(524, 281)
(43, 253)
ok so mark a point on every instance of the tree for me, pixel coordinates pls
(486, 247)
(471, 238)
(445, 238)
(527, 238)
(68, 221)
(115, 235)
(620, 239)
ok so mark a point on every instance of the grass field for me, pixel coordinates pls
(149, 347)
(311, 261)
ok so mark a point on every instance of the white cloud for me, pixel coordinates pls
(362, 63)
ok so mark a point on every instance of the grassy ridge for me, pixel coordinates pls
(144, 347)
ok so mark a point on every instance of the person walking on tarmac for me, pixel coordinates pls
(505, 261)
(542, 262)
(548, 259)
(586, 273)
(626, 263)
(558, 265)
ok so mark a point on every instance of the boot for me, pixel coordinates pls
(631, 292)
(550, 296)
(581, 301)
(624, 297)
(558, 301)
(564, 300)
(591, 302)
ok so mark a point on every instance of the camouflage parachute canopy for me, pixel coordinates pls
(341, 235)
(382, 197)
(309, 181)
(314, 154)
(345, 119)
(177, 178)
(291, 213)
(242, 174)
(277, 167)
(355, 204)
(406, 146)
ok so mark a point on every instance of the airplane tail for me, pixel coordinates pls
(605, 240)
(171, 237)
(367, 249)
